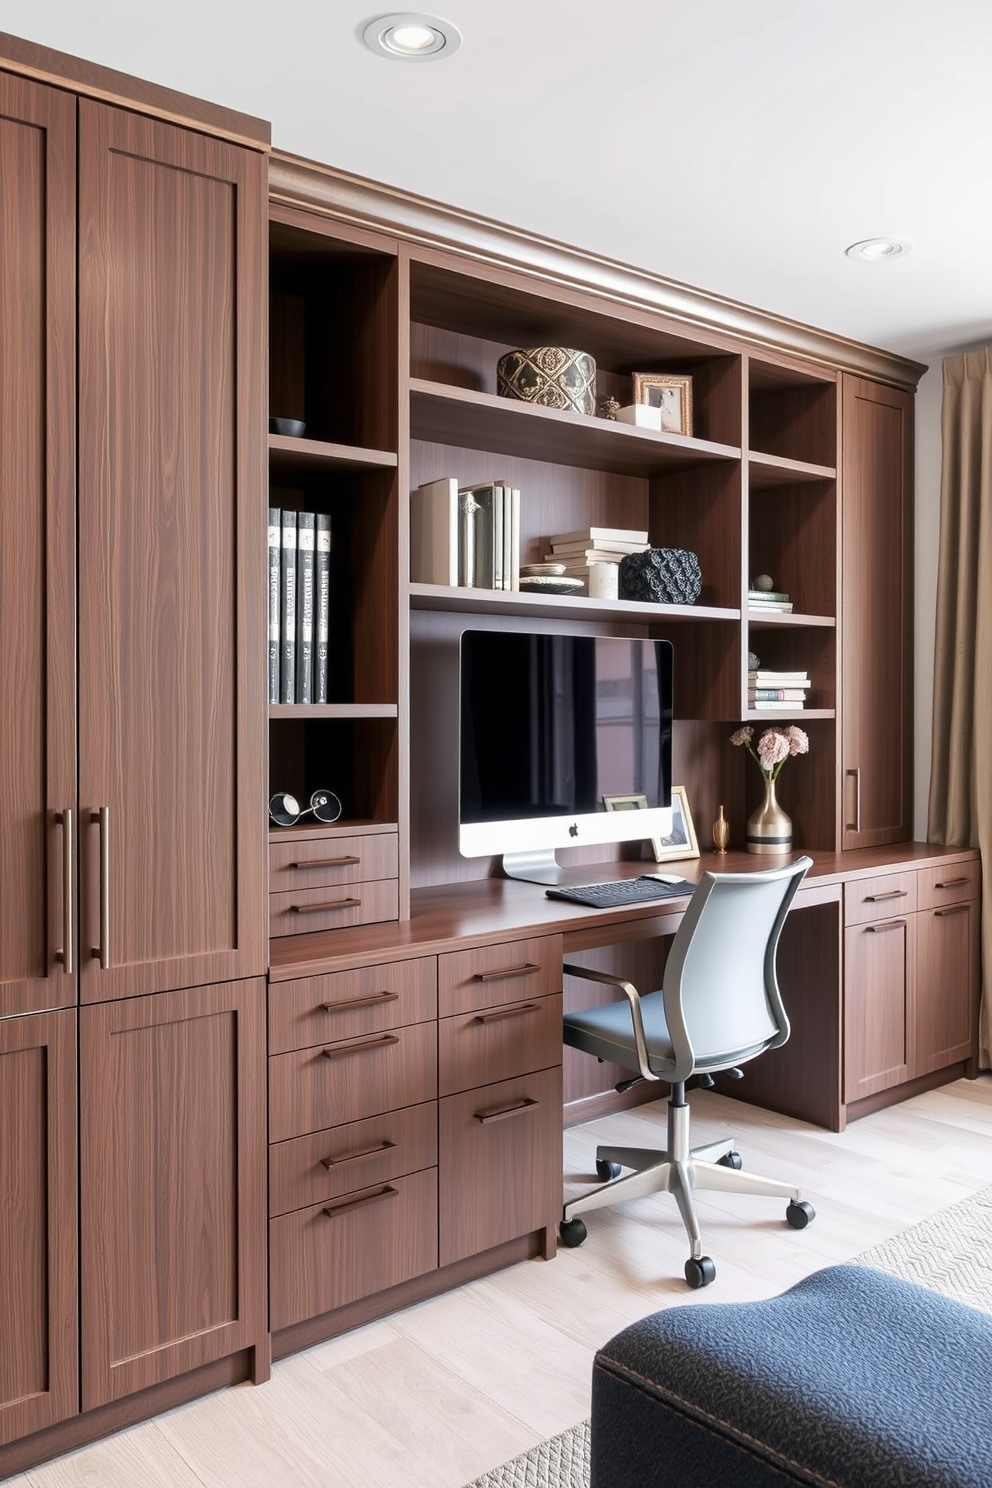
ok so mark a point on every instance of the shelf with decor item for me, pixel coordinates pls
(288, 455)
(463, 600)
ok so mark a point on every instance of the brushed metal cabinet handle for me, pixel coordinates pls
(889, 894)
(373, 999)
(362, 1047)
(951, 909)
(527, 969)
(101, 952)
(509, 1012)
(350, 1157)
(855, 826)
(885, 925)
(319, 908)
(324, 863)
(65, 955)
(332, 1210)
(502, 1113)
(952, 883)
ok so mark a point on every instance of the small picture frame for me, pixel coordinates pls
(671, 395)
(681, 841)
(626, 803)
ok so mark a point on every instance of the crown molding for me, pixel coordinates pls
(295, 182)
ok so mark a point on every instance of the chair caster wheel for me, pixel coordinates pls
(572, 1232)
(699, 1273)
(800, 1214)
(731, 1160)
(607, 1170)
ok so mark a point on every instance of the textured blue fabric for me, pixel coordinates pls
(852, 1379)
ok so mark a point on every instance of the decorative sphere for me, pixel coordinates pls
(764, 582)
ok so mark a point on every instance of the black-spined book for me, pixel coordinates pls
(275, 568)
(304, 607)
(322, 605)
(287, 642)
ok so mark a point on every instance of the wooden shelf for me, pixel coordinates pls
(310, 829)
(514, 602)
(444, 414)
(316, 454)
(770, 620)
(767, 471)
(333, 710)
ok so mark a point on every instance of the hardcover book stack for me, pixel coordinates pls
(466, 536)
(777, 691)
(771, 601)
(589, 545)
(299, 605)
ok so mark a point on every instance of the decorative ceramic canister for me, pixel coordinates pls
(554, 376)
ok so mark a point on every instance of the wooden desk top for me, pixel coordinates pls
(486, 911)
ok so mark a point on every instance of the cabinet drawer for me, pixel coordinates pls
(498, 1043)
(347, 1004)
(489, 975)
(329, 1255)
(879, 898)
(499, 1163)
(317, 861)
(327, 1164)
(301, 910)
(350, 1080)
(950, 885)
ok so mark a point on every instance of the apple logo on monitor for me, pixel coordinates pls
(573, 830)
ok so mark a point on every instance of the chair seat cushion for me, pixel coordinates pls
(852, 1379)
(608, 1032)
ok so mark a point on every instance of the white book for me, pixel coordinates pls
(763, 678)
(780, 707)
(572, 554)
(774, 606)
(507, 537)
(434, 532)
(515, 538)
(598, 534)
(497, 535)
(275, 567)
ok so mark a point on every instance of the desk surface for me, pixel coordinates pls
(486, 911)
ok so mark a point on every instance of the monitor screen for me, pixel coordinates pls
(565, 740)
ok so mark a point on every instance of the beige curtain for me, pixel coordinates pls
(960, 808)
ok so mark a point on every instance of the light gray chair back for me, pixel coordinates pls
(721, 993)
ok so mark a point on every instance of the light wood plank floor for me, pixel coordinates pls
(435, 1395)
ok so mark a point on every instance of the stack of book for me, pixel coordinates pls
(772, 601)
(577, 550)
(783, 691)
(465, 536)
(299, 605)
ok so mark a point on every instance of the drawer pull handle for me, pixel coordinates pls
(501, 1113)
(319, 908)
(332, 1210)
(508, 1012)
(336, 1162)
(527, 969)
(353, 1002)
(324, 863)
(65, 955)
(362, 1047)
(885, 925)
(889, 894)
(951, 909)
(952, 883)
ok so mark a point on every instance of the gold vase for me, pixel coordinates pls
(769, 829)
(721, 833)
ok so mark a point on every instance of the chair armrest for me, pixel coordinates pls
(634, 998)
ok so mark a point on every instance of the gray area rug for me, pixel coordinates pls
(951, 1253)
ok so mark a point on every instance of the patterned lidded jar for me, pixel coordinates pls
(554, 376)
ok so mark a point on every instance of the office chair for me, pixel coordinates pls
(719, 1006)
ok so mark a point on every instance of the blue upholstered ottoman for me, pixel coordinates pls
(851, 1379)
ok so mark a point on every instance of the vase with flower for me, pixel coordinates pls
(769, 829)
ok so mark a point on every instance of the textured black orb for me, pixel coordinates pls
(661, 576)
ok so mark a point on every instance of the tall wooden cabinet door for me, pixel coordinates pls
(876, 611)
(947, 986)
(38, 1299)
(172, 692)
(172, 1184)
(879, 1006)
(37, 541)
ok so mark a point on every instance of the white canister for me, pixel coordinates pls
(603, 580)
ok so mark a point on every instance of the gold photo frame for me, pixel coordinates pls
(681, 842)
(672, 395)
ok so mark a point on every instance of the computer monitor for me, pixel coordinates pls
(565, 741)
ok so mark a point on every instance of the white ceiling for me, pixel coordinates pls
(739, 147)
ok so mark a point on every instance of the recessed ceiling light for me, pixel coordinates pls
(407, 37)
(874, 250)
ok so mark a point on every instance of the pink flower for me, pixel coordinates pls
(798, 740)
(742, 735)
(773, 748)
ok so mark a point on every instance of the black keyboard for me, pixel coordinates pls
(624, 891)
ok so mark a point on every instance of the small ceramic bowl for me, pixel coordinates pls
(293, 427)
